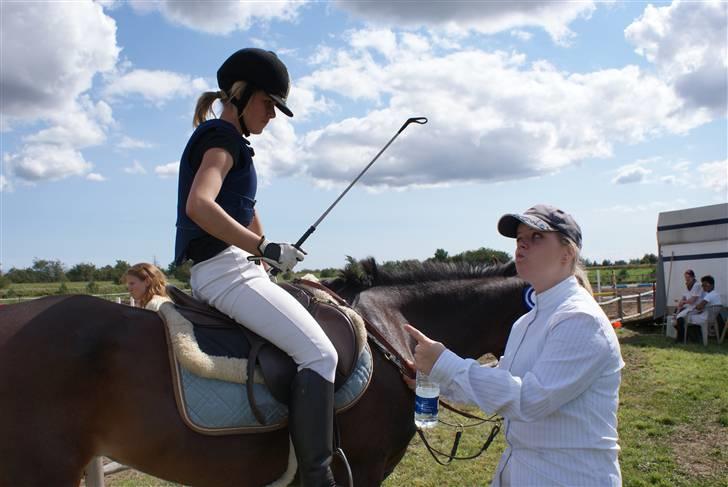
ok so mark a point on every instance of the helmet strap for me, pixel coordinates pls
(241, 103)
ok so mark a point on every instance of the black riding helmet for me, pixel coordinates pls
(260, 69)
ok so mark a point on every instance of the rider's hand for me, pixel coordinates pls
(282, 256)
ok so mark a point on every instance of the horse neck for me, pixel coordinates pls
(470, 316)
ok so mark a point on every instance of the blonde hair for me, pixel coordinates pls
(151, 275)
(577, 268)
(203, 109)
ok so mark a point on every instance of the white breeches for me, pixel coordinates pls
(243, 291)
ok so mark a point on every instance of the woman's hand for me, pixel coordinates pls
(426, 351)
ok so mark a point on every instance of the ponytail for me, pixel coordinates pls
(577, 268)
(204, 105)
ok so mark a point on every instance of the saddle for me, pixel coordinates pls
(275, 366)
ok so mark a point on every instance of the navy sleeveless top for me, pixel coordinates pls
(236, 197)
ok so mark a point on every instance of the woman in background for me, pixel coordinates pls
(147, 285)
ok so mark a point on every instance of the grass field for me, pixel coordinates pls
(673, 424)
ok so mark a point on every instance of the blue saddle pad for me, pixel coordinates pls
(217, 407)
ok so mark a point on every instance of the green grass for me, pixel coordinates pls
(673, 424)
(633, 275)
(26, 290)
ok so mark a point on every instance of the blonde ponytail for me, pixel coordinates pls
(577, 268)
(204, 106)
(203, 109)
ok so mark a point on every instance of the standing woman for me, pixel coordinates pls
(219, 229)
(557, 384)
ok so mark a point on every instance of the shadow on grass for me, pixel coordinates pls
(651, 335)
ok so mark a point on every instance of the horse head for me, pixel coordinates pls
(470, 308)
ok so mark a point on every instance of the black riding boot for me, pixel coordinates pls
(311, 423)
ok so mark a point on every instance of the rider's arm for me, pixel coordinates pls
(205, 212)
(255, 225)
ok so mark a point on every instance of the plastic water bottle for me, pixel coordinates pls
(427, 395)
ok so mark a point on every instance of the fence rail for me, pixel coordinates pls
(629, 307)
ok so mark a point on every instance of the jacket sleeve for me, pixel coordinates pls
(574, 355)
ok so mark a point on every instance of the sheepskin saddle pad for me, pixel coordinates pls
(214, 359)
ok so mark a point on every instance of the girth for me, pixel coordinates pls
(277, 367)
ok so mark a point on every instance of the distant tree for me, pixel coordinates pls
(48, 270)
(441, 255)
(120, 268)
(82, 272)
(328, 272)
(620, 262)
(481, 256)
(181, 273)
(606, 262)
(4, 282)
(19, 275)
(649, 259)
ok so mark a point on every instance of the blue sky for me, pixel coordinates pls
(613, 111)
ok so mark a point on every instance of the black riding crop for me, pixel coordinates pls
(312, 228)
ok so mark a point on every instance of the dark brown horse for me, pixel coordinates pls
(82, 377)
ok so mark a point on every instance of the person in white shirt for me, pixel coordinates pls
(147, 285)
(557, 384)
(710, 297)
(691, 295)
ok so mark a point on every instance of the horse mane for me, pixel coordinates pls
(366, 273)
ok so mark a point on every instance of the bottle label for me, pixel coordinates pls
(426, 405)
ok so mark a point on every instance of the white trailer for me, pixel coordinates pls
(693, 238)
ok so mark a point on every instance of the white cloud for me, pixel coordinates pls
(454, 16)
(688, 43)
(47, 161)
(135, 168)
(5, 185)
(714, 176)
(630, 173)
(167, 170)
(382, 40)
(94, 176)
(50, 53)
(69, 43)
(522, 35)
(220, 17)
(127, 142)
(156, 86)
(82, 125)
(493, 116)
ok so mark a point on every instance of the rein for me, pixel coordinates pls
(395, 358)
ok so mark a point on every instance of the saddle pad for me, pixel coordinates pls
(216, 407)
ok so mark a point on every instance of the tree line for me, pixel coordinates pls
(47, 271)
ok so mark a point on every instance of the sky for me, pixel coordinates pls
(613, 111)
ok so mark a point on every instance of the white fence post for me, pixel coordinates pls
(599, 282)
(94, 473)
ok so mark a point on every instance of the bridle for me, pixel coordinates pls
(392, 356)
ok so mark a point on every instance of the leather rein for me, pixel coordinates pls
(391, 354)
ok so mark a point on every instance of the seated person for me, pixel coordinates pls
(146, 284)
(699, 314)
(690, 297)
(687, 302)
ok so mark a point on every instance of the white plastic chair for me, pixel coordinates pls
(711, 320)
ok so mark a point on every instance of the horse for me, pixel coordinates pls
(82, 377)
